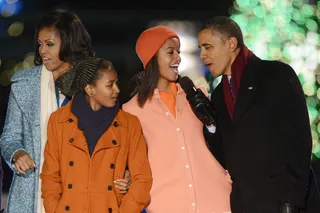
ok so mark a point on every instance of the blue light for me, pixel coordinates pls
(10, 8)
(19, 5)
(2, 2)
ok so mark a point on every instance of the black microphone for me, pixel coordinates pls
(200, 104)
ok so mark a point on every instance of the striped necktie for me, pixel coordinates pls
(230, 85)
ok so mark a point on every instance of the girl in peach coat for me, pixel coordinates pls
(186, 176)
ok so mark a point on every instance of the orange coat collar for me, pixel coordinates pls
(66, 115)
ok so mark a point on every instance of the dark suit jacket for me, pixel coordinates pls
(267, 146)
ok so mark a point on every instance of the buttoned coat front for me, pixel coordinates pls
(75, 182)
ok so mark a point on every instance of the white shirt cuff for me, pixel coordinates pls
(211, 128)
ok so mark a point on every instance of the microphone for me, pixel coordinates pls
(200, 104)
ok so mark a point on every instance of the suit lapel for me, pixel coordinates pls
(247, 90)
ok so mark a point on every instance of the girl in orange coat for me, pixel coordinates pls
(90, 143)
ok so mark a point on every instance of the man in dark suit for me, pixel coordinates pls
(262, 134)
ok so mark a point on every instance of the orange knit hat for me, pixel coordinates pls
(150, 41)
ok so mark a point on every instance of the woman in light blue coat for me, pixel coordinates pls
(61, 40)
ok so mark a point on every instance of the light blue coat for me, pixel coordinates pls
(22, 132)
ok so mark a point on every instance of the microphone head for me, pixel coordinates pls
(187, 85)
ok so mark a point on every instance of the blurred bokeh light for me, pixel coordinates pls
(287, 31)
(16, 29)
(10, 7)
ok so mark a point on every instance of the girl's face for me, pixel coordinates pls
(169, 59)
(105, 91)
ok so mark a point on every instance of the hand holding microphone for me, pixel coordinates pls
(200, 104)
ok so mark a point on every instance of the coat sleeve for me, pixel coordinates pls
(215, 144)
(12, 136)
(51, 178)
(298, 137)
(138, 195)
(214, 141)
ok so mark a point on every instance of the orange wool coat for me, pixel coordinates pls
(74, 182)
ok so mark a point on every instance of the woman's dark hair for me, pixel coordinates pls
(146, 81)
(75, 40)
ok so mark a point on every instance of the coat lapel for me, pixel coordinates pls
(106, 141)
(77, 138)
(28, 80)
(110, 139)
(247, 90)
(219, 104)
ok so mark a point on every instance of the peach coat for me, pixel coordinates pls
(186, 176)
